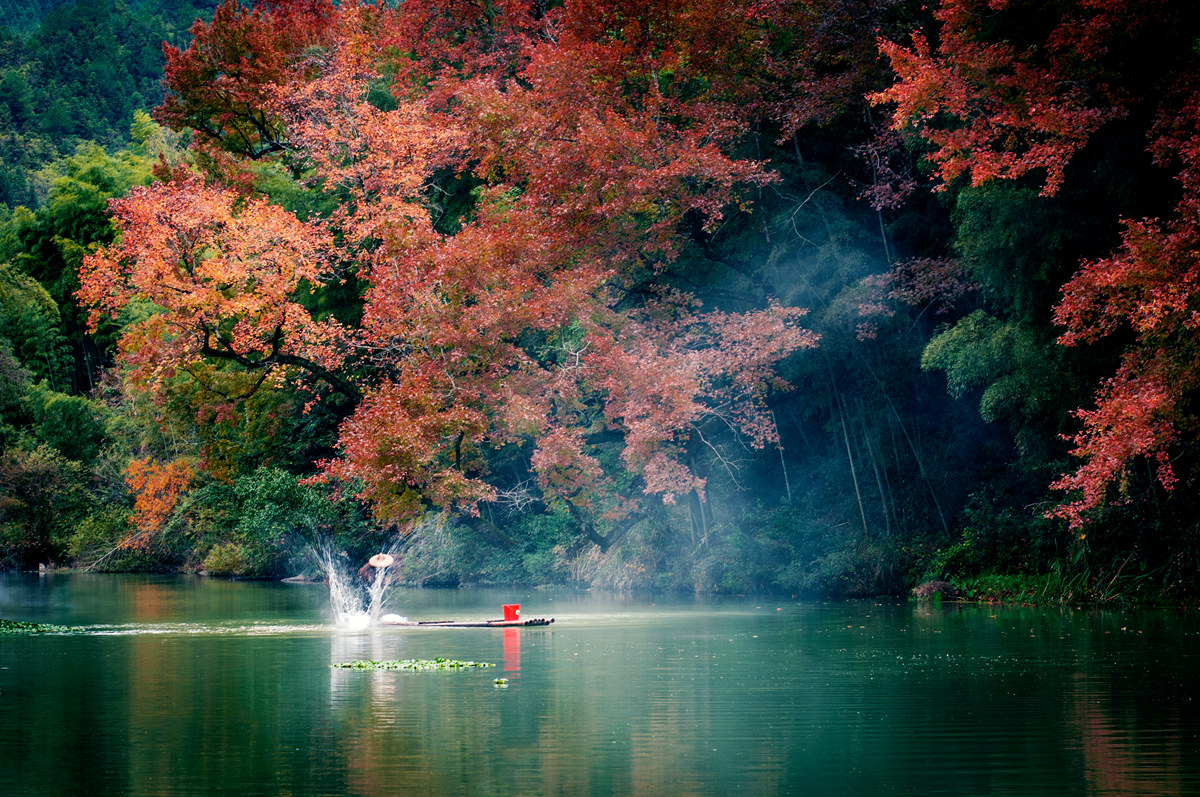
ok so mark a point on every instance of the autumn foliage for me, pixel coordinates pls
(463, 231)
(1151, 287)
(592, 139)
(1004, 88)
(221, 83)
(1005, 91)
(156, 487)
(227, 272)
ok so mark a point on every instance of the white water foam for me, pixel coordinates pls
(355, 605)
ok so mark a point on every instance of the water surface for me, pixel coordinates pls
(180, 685)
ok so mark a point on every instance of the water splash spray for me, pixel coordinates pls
(354, 604)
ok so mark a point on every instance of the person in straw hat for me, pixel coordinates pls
(378, 562)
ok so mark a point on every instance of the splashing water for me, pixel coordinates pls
(355, 605)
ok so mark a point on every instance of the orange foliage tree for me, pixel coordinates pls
(591, 143)
(227, 271)
(156, 487)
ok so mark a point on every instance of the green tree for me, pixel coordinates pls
(16, 100)
(72, 425)
(43, 495)
(14, 381)
(30, 321)
(48, 245)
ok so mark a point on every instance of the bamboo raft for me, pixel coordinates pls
(486, 623)
(511, 619)
(471, 623)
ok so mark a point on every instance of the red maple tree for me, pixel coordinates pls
(1150, 286)
(1002, 88)
(587, 153)
(1001, 92)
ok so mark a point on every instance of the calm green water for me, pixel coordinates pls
(193, 686)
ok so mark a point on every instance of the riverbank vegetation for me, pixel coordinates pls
(824, 296)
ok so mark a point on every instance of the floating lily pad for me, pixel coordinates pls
(22, 627)
(412, 665)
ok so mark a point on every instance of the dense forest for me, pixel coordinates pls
(831, 297)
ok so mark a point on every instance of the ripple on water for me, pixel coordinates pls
(197, 629)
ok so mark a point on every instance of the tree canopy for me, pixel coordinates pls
(537, 315)
(820, 295)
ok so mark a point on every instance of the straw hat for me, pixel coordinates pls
(381, 560)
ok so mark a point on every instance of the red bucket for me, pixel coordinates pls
(512, 611)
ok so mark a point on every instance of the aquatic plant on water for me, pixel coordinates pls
(22, 627)
(412, 665)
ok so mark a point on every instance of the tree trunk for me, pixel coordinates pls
(911, 445)
(883, 494)
(487, 530)
(862, 511)
(604, 541)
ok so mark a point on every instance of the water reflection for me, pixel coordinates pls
(182, 686)
(365, 708)
(512, 649)
(1131, 742)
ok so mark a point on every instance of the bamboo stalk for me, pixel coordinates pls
(782, 463)
(849, 455)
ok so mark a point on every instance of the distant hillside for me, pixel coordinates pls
(24, 15)
(76, 71)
